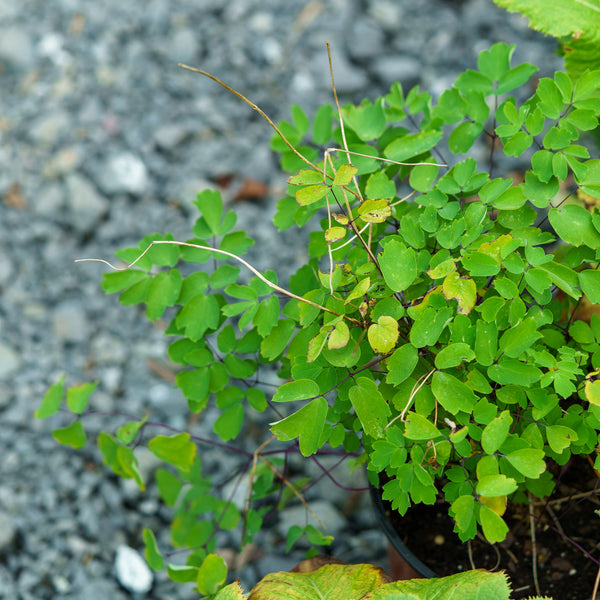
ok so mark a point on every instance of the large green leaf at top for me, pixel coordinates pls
(469, 585)
(330, 582)
(399, 265)
(574, 22)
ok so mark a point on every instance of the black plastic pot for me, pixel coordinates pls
(405, 565)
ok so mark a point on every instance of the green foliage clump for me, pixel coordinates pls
(433, 332)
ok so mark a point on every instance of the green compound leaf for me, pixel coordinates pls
(182, 573)
(301, 389)
(495, 485)
(169, 486)
(428, 326)
(401, 364)
(229, 423)
(305, 424)
(408, 146)
(52, 400)
(528, 461)
(211, 574)
(371, 408)
(73, 435)
(493, 526)
(510, 370)
(517, 339)
(562, 277)
(453, 355)
(151, 552)
(494, 434)
(163, 291)
(418, 427)
(590, 284)
(277, 340)
(383, 335)
(463, 137)
(452, 394)
(573, 224)
(78, 396)
(177, 450)
(399, 265)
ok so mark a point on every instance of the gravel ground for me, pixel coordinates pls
(103, 139)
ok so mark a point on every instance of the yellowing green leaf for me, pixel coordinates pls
(311, 194)
(443, 269)
(333, 234)
(462, 289)
(592, 391)
(383, 335)
(334, 582)
(344, 175)
(359, 290)
(339, 337)
(375, 211)
(306, 177)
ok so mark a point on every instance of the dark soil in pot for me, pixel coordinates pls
(567, 537)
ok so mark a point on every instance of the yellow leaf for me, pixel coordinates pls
(495, 503)
(592, 392)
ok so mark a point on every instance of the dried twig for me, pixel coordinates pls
(533, 547)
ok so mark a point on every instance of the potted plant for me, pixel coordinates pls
(440, 331)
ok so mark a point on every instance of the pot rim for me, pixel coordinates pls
(392, 535)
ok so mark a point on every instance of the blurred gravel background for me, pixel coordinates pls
(103, 139)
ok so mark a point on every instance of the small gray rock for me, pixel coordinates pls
(405, 69)
(9, 361)
(70, 323)
(123, 173)
(16, 49)
(8, 531)
(86, 205)
(132, 571)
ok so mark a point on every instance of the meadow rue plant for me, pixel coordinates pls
(441, 331)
